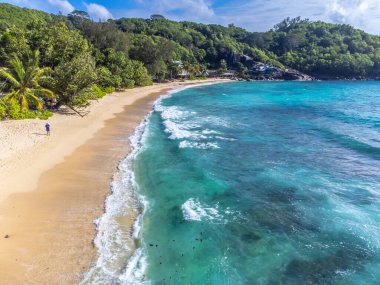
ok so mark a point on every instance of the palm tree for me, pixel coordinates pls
(203, 70)
(24, 81)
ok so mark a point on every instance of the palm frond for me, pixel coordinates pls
(40, 74)
(24, 103)
(32, 70)
(30, 76)
(36, 100)
(18, 68)
(25, 80)
(36, 57)
(44, 71)
(45, 92)
(7, 75)
(12, 95)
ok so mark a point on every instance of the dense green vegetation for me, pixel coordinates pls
(324, 50)
(68, 69)
(88, 59)
(199, 43)
(23, 81)
(316, 48)
(11, 15)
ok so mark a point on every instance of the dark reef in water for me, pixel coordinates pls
(351, 255)
(282, 213)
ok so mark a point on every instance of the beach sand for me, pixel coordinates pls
(53, 188)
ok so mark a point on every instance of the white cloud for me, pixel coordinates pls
(200, 10)
(261, 15)
(97, 11)
(63, 5)
(364, 14)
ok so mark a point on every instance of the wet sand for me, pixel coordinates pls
(51, 192)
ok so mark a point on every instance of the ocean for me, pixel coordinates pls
(249, 183)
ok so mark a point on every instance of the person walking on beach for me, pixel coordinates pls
(47, 128)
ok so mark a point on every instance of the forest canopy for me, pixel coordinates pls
(88, 59)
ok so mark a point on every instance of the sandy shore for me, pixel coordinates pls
(52, 188)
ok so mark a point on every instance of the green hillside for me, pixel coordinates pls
(323, 49)
(316, 48)
(87, 59)
(13, 15)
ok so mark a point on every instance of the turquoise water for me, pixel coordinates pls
(263, 183)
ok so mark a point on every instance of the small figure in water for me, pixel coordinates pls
(47, 128)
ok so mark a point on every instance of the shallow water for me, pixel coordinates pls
(261, 183)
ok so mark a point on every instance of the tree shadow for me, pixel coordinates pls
(63, 110)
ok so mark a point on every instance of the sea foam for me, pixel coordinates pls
(187, 128)
(193, 210)
(199, 145)
(114, 241)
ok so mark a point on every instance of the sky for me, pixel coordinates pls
(253, 15)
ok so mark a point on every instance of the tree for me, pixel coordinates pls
(161, 70)
(107, 79)
(74, 80)
(222, 66)
(155, 55)
(13, 41)
(105, 35)
(174, 69)
(79, 14)
(241, 70)
(24, 82)
(57, 43)
(157, 17)
(138, 73)
(77, 18)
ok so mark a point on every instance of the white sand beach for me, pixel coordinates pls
(52, 188)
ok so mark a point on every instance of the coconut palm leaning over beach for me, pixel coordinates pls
(24, 81)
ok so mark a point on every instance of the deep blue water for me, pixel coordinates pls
(263, 183)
